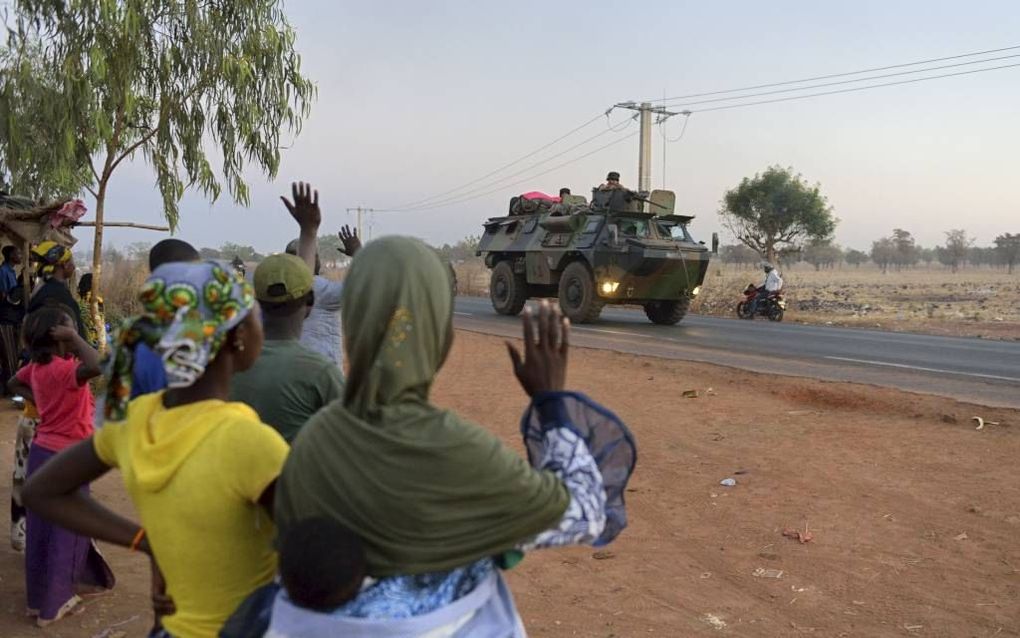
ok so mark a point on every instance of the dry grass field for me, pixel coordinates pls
(974, 302)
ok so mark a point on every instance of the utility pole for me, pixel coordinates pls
(644, 164)
(360, 210)
(645, 111)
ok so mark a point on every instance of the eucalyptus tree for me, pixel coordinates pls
(184, 84)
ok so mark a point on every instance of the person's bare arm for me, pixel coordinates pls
(90, 366)
(162, 604)
(305, 210)
(20, 389)
(53, 492)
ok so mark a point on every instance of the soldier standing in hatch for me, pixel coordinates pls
(612, 182)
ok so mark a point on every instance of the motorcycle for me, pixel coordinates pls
(773, 306)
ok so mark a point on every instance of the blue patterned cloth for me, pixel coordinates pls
(407, 596)
(604, 435)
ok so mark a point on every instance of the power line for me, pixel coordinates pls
(835, 75)
(619, 127)
(517, 183)
(683, 129)
(852, 89)
(508, 165)
(438, 202)
(840, 82)
(667, 141)
(435, 201)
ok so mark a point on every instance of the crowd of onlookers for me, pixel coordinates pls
(275, 494)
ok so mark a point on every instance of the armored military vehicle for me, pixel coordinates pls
(624, 248)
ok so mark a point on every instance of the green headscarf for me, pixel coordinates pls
(425, 490)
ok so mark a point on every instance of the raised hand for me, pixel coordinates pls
(350, 240)
(64, 333)
(305, 208)
(543, 367)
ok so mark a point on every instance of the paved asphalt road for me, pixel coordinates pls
(976, 370)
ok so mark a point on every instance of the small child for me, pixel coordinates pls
(56, 381)
(322, 564)
(321, 567)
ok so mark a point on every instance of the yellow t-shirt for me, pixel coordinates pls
(195, 474)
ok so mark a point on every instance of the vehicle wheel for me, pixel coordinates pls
(775, 313)
(743, 311)
(667, 313)
(578, 299)
(507, 289)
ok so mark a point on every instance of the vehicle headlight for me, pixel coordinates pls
(697, 289)
(609, 287)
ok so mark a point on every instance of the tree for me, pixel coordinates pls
(775, 210)
(883, 253)
(822, 254)
(855, 257)
(139, 250)
(738, 254)
(210, 253)
(114, 256)
(461, 251)
(955, 250)
(246, 253)
(330, 249)
(26, 162)
(906, 251)
(89, 84)
(983, 256)
(1008, 247)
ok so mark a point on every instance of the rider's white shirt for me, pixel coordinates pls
(773, 282)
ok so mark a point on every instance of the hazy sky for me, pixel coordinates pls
(416, 98)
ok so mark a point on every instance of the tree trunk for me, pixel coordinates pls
(97, 268)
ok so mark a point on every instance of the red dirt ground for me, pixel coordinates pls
(915, 514)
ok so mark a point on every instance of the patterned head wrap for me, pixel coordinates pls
(188, 309)
(50, 254)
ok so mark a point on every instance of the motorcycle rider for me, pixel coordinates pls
(773, 284)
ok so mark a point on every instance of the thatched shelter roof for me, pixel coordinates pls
(25, 221)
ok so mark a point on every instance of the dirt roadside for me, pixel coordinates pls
(914, 513)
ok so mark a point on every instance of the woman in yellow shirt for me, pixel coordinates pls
(200, 470)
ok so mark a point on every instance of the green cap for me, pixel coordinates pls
(281, 278)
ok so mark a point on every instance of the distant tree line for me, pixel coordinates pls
(329, 251)
(463, 250)
(897, 251)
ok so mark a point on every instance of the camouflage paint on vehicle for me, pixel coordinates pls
(634, 257)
